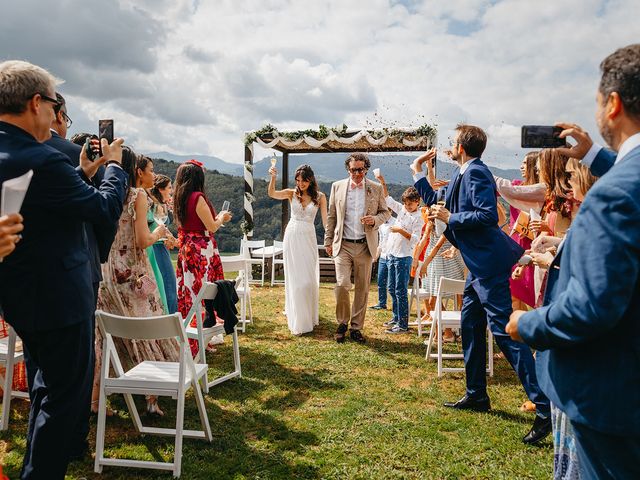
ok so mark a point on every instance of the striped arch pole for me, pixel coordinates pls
(248, 189)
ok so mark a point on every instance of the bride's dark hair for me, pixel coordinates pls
(306, 174)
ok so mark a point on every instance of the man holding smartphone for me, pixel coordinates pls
(590, 323)
(46, 288)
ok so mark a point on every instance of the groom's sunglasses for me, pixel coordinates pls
(357, 170)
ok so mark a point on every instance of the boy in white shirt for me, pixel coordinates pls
(403, 237)
(383, 269)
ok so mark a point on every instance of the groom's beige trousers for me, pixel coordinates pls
(352, 257)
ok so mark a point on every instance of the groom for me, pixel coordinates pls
(356, 209)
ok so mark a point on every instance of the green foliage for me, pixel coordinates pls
(323, 131)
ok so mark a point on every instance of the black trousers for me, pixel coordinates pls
(60, 371)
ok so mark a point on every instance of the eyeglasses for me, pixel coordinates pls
(67, 120)
(56, 104)
(358, 170)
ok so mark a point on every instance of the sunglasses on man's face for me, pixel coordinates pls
(56, 104)
(357, 170)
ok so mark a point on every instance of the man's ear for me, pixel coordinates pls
(614, 106)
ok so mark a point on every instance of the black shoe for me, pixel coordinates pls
(379, 307)
(468, 403)
(356, 336)
(540, 429)
(340, 333)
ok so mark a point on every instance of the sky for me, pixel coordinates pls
(192, 76)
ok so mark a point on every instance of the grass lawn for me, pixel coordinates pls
(308, 408)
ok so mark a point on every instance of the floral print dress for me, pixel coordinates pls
(116, 295)
(198, 262)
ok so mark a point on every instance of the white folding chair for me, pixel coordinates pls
(450, 319)
(277, 259)
(240, 264)
(209, 291)
(419, 293)
(149, 378)
(8, 358)
(255, 258)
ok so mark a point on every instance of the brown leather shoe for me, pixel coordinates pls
(340, 333)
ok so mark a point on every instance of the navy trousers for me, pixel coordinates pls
(489, 300)
(602, 456)
(60, 370)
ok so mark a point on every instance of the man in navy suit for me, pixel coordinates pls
(46, 286)
(470, 212)
(591, 326)
(106, 234)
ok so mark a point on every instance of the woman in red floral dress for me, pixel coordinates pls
(198, 257)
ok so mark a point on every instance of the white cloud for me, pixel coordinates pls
(191, 76)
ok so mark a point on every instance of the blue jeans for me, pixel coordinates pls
(399, 270)
(383, 279)
(163, 259)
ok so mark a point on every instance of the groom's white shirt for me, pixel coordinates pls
(354, 211)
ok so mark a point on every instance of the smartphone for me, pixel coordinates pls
(541, 136)
(91, 155)
(105, 130)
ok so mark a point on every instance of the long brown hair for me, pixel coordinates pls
(553, 172)
(306, 173)
(531, 176)
(584, 176)
(189, 179)
(160, 182)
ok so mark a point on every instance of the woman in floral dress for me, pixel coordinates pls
(198, 257)
(119, 293)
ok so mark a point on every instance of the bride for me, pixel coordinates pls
(301, 270)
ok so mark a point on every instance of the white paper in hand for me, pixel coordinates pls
(13, 193)
(533, 215)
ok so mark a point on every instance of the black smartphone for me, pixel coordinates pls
(105, 130)
(91, 155)
(541, 136)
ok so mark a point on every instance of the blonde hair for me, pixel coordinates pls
(584, 177)
(19, 81)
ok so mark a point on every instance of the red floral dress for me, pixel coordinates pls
(198, 259)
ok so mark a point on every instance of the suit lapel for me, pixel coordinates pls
(451, 197)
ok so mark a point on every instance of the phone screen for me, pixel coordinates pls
(105, 130)
(542, 136)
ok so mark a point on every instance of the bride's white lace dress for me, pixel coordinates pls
(301, 269)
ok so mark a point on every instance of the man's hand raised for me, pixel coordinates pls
(111, 151)
(583, 141)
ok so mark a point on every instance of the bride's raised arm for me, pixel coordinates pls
(285, 194)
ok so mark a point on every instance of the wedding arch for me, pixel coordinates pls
(325, 140)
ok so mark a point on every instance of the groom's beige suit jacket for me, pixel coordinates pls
(375, 205)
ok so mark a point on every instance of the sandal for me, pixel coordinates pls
(153, 408)
(94, 411)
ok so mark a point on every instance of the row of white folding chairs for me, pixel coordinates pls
(160, 378)
(9, 357)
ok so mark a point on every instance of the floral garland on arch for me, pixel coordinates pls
(425, 134)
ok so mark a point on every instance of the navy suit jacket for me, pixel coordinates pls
(46, 282)
(100, 237)
(473, 226)
(590, 323)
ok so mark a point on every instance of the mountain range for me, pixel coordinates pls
(329, 167)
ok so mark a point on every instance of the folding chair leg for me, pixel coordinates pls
(236, 353)
(177, 455)
(202, 411)
(6, 394)
(439, 336)
(100, 431)
(430, 341)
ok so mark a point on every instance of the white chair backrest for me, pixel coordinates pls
(143, 328)
(251, 244)
(450, 286)
(277, 244)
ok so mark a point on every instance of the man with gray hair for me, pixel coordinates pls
(45, 284)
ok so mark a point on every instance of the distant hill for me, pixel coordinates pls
(212, 163)
(329, 167)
